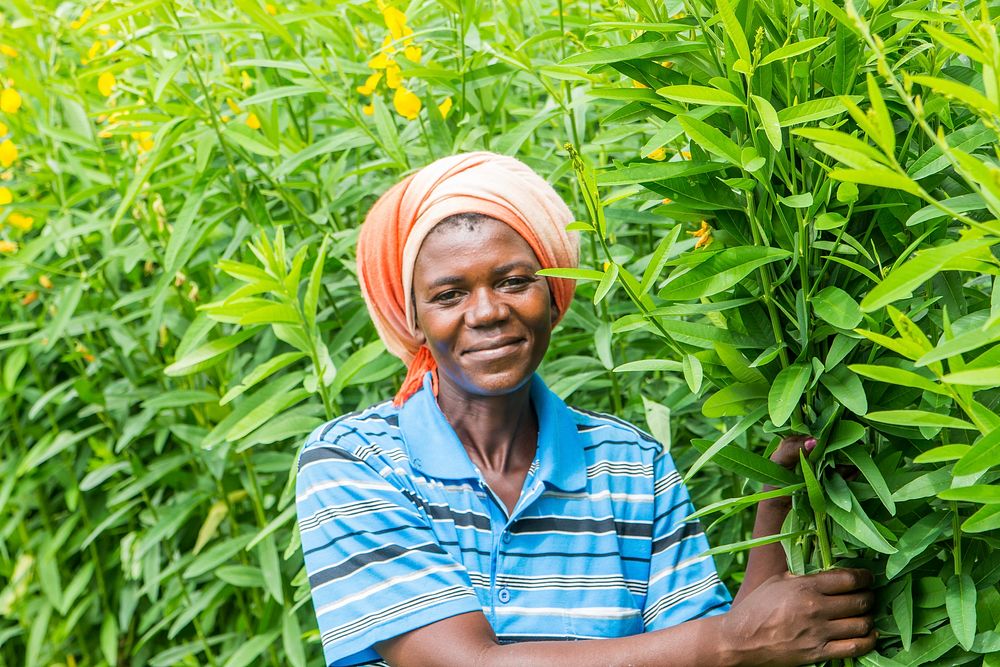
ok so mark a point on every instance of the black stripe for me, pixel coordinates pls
(621, 422)
(688, 529)
(384, 531)
(323, 453)
(570, 525)
(445, 513)
(355, 563)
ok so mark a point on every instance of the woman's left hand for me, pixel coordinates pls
(787, 453)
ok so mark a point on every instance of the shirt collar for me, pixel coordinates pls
(435, 449)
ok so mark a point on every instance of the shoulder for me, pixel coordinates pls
(358, 436)
(601, 430)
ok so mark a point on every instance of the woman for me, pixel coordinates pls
(478, 520)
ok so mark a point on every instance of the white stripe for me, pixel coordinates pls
(350, 483)
(667, 571)
(578, 612)
(388, 583)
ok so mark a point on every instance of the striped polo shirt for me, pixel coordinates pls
(399, 530)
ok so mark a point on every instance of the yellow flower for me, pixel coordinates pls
(407, 35)
(84, 17)
(224, 118)
(8, 51)
(8, 152)
(667, 200)
(639, 84)
(22, 222)
(395, 21)
(245, 80)
(106, 84)
(393, 76)
(3, 129)
(381, 61)
(368, 109)
(145, 140)
(658, 154)
(686, 155)
(666, 63)
(407, 104)
(95, 50)
(704, 234)
(10, 100)
(387, 46)
(6, 196)
(8, 246)
(370, 84)
(270, 9)
(29, 298)
(104, 29)
(45, 281)
(412, 53)
(445, 107)
(252, 121)
(233, 106)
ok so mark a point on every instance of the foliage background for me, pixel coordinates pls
(182, 184)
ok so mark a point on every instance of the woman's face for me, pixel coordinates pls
(483, 313)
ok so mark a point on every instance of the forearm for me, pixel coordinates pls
(468, 639)
(766, 561)
(698, 643)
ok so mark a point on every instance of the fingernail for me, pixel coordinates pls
(810, 444)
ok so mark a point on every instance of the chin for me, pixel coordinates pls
(494, 384)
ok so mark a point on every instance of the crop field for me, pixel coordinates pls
(788, 213)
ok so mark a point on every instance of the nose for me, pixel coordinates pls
(485, 308)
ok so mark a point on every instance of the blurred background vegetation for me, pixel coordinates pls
(182, 184)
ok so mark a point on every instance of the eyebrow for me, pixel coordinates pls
(499, 271)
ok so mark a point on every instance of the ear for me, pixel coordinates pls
(554, 309)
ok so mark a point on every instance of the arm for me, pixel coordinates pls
(787, 621)
(769, 560)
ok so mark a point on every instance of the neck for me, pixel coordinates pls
(499, 432)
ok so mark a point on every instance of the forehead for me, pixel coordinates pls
(485, 245)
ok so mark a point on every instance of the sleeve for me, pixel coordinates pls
(683, 583)
(375, 568)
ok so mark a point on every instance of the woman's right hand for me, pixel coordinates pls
(797, 620)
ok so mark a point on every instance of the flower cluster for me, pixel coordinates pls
(10, 106)
(703, 234)
(385, 68)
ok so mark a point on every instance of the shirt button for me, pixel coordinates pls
(503, 596)
(506, 537)
(417, 462)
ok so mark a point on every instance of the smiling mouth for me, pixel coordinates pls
(498, 349)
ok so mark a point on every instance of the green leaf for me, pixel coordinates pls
(983, 494)
(943, 454)
(734, 30)
(960, 600)
(659, 171)
(886, 137)
(649, 365)
(835, 306)
(786, 392)
(252, 649)
(714, 451)
(901, 282)
(862, 460)
(846, 388)
(711, 139)
(756, 542)
(721, 271)
(658, 259)
(985, 454)
(859, 527)
(607, 282)
(915, 541)
(633, 51)
(918, 418)
(693, 372)
(810, 111)
(983, 521)
(208, 355)
(966, 94)
(735, 399)
(291, 638)
(817, 501)
(898, 376)
(882, 178)
(311, 300)
(572, 274)
(768, 120)
(842, 140)
(902, 610)
(977, 377)
(700, 95)
(791, 50)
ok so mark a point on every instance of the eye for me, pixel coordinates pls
(446, 296)
(516, 281)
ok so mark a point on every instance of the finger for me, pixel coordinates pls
(849, 648)
(841, 580)
(787, 452)
(849, 628)
(848, 605)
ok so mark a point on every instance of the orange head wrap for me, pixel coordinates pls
(486, 183)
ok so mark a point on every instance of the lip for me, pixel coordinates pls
(494, 348)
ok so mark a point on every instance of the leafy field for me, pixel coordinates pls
(788, 214)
